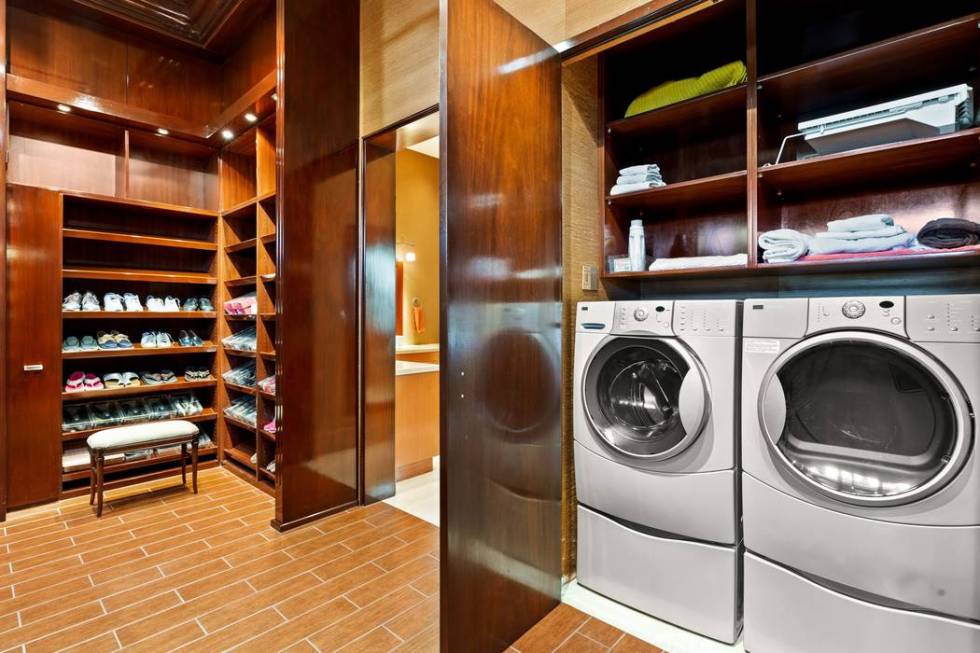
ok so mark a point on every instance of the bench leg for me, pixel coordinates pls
(194, 464)
(91, 478)
(183, 463)
(100, 470)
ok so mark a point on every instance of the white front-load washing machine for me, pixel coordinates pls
(861, 479)
(655, 429)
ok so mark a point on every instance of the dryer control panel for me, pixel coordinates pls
(878, 313)
(644, 318)
(944, 318)
(706, 318)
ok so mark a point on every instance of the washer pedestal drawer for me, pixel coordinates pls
(690, 584)
(787, 613)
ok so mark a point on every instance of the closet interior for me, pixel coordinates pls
(732, 161)
(142, 245)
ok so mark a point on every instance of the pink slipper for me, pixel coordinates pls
(76, 382)
(92, 382)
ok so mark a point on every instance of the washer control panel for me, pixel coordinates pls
(878, 313)
(651, 318)
(944, 318)
(706, 318)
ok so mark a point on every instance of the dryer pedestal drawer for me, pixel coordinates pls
(690, 584)
(786, 613)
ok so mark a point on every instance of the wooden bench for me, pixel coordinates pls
(137, 437)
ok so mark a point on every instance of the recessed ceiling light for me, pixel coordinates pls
(64, 108)
(410, 256)
(162, 131)
(227, 134)
(251, 117)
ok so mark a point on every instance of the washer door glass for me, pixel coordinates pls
(645, 397)
(866, 418)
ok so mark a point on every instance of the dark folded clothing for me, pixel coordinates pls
(947, 233)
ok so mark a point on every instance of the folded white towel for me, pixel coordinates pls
(783, 245)
(687, 262)
(619, 189)
(862, 222)
(838, 246)
(884, 232)
(637, 179)
(651, 169)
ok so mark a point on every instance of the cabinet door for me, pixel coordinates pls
(501, 331)
(33, 398)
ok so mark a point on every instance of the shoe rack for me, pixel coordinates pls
(248, 265)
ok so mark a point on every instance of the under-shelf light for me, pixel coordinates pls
(64, 108)
(251, 117)
(227, 134)
(162, 132)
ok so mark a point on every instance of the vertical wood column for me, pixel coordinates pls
(501, 327)
(3, 262)
(317, 139)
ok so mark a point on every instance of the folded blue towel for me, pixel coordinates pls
(862, 222)
(884, 232)
(783, 245)
(620, 189)
(840, 245)
(652, 169)
(637, 179)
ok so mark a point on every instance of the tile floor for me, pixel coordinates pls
(419, 495)
(568, 630)
(168, 570)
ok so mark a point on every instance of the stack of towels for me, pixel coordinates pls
(862, 234)
(637, 178)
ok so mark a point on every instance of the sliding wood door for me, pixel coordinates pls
(501, 330)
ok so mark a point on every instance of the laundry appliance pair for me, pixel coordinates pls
(858, 479)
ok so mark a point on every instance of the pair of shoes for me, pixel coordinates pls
(86, 343)
(121, 379)
(158, 378)
(116, 303)
(197, 304)
(197, 374)
(79, 302)
(113, 340)
(156, 339)
(189, 339)
(82, 382)
(169, 304)
(270, 427)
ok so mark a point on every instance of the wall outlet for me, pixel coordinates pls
(590, 277)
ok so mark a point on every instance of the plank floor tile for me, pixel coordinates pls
(567, 630)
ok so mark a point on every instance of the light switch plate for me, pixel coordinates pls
(590, 277)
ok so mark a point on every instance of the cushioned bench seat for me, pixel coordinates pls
(123, 439)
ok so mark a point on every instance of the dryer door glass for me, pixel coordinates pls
(638, 396)
(868, 419)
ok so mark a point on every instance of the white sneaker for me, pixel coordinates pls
(154, 304)
(112, 302)
(90, 302)
(72, 302)
(171, 305)
(132, 303)
(164, 340)
(149, 340)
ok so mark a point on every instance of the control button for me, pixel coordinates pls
(641, 314)
(896, 320)
(853, 309)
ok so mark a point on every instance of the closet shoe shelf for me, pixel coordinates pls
(240, 388)
(139, 315)
(207, 415)
(144, 389)
(244, 246)
(239, 423)
(135, 464)
(243, 281)
(138, 350)
(134, 239)
(126, 274)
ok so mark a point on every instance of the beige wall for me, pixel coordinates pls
(400, 47)
(417, 223)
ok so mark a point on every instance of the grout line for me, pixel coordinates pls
(384, 626)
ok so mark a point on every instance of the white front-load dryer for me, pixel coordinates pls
(655, 432)
(861, 480)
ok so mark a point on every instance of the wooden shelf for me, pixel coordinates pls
(892, 161)
(268, 316)
(267, 474)
(267, 435)
(243, 281)
(149, 276)
(240, 388)
(244, 246)
(241, 454)
(937, 259)
(136, 464)
(267, 395)
(269, 239)
(138, 315)
(725, 271)
(239, 318)
(160, 209)
(241, 210)
(705, 108)
(137, 350)
(206, 416)
(269, 278)
(706, 191)
(131, 239)
(241, 353)
(112, 393)
(922, 54)
(268, 355)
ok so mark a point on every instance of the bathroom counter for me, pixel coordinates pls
(403, 368)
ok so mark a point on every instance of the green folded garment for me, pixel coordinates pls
(731, 74)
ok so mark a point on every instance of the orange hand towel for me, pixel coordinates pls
(418, 319)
